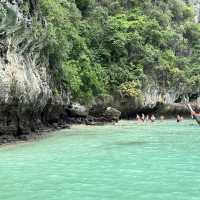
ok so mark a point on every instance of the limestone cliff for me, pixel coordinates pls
(27, 99)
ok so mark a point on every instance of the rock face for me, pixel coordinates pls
(104, 110)
(27, 100)
(77, 110)
(129, 106)
(112, 114)
(155, 101)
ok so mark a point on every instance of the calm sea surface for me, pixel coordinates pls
(159, 161)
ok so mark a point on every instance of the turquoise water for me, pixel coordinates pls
(128, 161)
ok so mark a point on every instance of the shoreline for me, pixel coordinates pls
(48, 131)
(9, 140)
(6, 140)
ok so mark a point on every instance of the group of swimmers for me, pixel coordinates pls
(179, 118)
(152, 118)
(144, 118)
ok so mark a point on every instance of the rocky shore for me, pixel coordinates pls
(16, 125)
(23, 126)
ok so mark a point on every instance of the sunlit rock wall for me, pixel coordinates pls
(26, 85)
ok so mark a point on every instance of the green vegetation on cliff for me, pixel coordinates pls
(98, 47)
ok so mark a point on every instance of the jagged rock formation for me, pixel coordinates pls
(27, 100)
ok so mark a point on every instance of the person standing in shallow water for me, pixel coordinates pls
(153, 119)
(143, 117)
(179, 118)
(138, 118)
(162, 117)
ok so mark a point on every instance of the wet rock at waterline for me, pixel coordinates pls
(112, 114)
(77, 110)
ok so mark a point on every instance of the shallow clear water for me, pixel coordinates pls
(128, 161)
